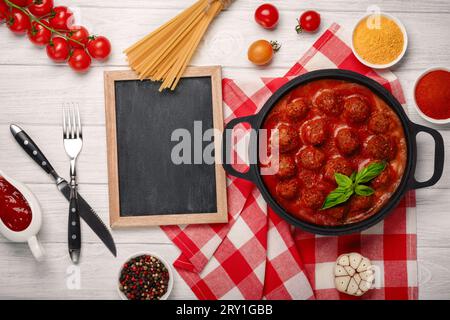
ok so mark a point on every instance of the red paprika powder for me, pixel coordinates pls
(432, 94)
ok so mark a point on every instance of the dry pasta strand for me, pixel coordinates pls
(164, 54)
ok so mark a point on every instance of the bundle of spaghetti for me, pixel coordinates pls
(164, 54)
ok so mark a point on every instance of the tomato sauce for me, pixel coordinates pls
(15, 211)
(433, 94)
(329, 126)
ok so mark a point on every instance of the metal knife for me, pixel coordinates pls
(85, 210)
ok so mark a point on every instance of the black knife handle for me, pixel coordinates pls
(90, 217)
(74, 235)
(33, 151)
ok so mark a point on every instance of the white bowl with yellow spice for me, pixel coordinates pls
(379, 40)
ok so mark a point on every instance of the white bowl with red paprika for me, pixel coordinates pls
(145, 276)
(432, 95)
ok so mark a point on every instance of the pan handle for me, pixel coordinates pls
(227, 144)
(439, 154)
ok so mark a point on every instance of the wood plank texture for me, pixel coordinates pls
(32, 90)
(56, 279)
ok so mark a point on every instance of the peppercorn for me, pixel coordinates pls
(137, 283)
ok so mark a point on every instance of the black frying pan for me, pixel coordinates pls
(408, 181)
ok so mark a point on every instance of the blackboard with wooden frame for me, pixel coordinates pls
(142, 190)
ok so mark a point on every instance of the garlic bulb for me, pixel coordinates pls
(354, 274)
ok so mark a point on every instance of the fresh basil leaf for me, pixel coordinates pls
(337, 196)
(329, 203)
(370, 172)
(342, 180)
(337, 193)
(353, 176)
(362, 190)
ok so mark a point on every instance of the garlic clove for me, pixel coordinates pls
(367, 275)
(364, 264)
(340, 271)
(350, 271)
(341, 283)
(357, 278)
(343, 260)
(365, 286)
(355, 260)
(352, 287)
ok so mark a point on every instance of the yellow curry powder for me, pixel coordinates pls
(378, 40)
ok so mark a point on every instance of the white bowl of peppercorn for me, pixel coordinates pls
(145, 276)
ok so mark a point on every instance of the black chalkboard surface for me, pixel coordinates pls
(147, 186)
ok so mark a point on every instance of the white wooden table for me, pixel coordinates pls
(32, 90)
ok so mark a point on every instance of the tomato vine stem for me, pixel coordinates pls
(33, 18)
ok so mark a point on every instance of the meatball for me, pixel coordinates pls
(360, 203)
(356, 110)
(347, 142)
(379, 123)
(307, 178)
(313, 198)
(311, 158)
(381, 148)
(286, 167)
(383, 179)
(337, 212)
(297, 109)
(288, 189)
(327, 102)
(287, 138)
(315, 132)
(337, 165)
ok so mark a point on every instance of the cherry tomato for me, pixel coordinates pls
(267, 16)
(18, 22)
(261, 52)
(20, 3)
(4, 11)
(38, 34)
(80, 34)
(309, 21)
(63, 18)
(41, 8)
(58, 49)
(80, 61)
(99, 48)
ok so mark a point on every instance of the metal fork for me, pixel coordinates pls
(73, 143)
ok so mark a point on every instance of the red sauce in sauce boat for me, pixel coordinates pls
(20, 214)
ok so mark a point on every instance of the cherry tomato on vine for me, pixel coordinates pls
(267, 16)
(20, 3)
(261, 52)
(80, 61)
(41, 8)
(63, 18)
(18, 22)
(79, 34)
(38, 34)
(309, 21)
(99, 47)
(4, 11)
(58, 49)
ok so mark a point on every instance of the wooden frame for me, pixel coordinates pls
(116, 220)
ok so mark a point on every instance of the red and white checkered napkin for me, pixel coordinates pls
(257, 255)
